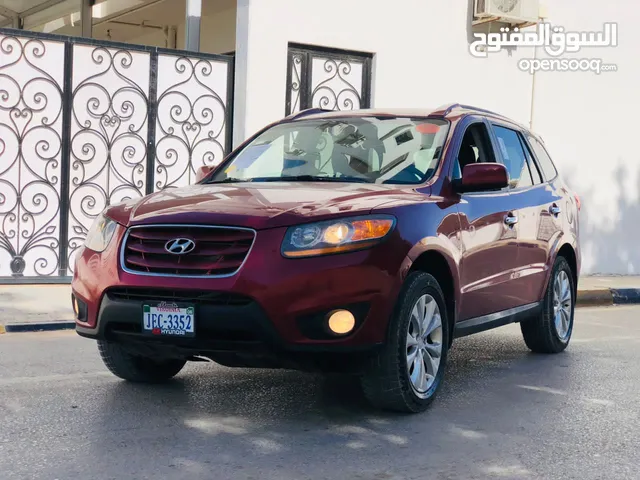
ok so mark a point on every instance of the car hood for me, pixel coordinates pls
(256, 205)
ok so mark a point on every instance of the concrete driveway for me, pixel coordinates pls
(503, 413)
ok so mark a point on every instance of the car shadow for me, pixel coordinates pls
(215, 415)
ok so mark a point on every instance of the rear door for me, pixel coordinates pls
(538, 208)
(554, 210)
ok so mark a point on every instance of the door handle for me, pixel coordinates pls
(555, 210)
(511, 219)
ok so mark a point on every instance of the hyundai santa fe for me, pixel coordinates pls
(360, 242)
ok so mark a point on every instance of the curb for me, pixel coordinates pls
(594, 298)
(37, 327)
(625, 296)
(608, 296)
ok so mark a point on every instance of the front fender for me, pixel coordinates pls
(428, 225)
(446, 247)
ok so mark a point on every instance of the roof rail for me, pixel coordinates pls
(447, 109)
(308, 111)
(468, 107)
(450, 108)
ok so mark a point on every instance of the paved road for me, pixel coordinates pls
(503, 413)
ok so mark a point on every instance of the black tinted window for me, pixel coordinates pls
(543, 158)
(514, 157)
(475, 148)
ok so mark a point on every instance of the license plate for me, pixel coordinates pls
(168, 318)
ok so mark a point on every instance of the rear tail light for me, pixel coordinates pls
(578, 203)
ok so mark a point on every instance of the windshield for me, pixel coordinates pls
(357, 149)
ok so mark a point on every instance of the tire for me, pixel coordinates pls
(551, 333)
(137, 369)
(387, 383)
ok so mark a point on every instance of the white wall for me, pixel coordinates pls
(422, 60)
(588, 124)
(420, 46)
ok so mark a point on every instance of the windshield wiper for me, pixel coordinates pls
(312, 178)
(292, 178)
(230, 180)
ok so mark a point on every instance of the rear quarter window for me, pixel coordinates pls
(544, 160)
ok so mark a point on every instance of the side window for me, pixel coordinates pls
(514, 157)
(533, 166)
(475, 148)
(544, 160)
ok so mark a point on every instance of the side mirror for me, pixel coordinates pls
(203, 171)
(477, 177)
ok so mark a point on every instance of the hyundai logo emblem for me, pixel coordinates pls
(180, 246)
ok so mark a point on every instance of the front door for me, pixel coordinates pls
(488, 236)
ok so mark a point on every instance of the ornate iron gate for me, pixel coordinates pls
(84, 124)
(327, 78)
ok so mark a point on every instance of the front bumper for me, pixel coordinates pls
(280, 296)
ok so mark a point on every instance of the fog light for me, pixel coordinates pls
(341, 322)
(79, 308)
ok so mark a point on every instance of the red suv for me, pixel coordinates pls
(360, 242)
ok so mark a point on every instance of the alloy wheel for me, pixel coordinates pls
(562, 304)
(424, 344)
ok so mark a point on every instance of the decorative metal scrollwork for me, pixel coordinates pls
(332, 80)
(30, 148)
(75, 137)
(191, 121)
(108, 134)
(296, 82)
(341, 87)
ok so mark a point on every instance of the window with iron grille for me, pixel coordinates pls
(327, 78)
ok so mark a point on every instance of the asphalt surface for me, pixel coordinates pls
(503, 413)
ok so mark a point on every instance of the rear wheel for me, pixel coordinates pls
(408, 371)
(551, 331)
(136, 368)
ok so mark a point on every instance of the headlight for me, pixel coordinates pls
(100, 233)
(336, 236)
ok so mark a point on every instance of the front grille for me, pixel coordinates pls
(199, 297)
(219, 251)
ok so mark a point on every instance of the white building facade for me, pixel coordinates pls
(343, 54)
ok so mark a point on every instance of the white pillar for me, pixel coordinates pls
(86, 17)
(241, 69)
(192, 25)
(261, 65)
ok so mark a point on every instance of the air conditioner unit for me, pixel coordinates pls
(510, 11)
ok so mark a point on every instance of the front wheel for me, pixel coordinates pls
(406, 374)
(551, 331)
(136, 368)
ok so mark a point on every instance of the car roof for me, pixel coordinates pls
(444, 111)
(365, 112)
